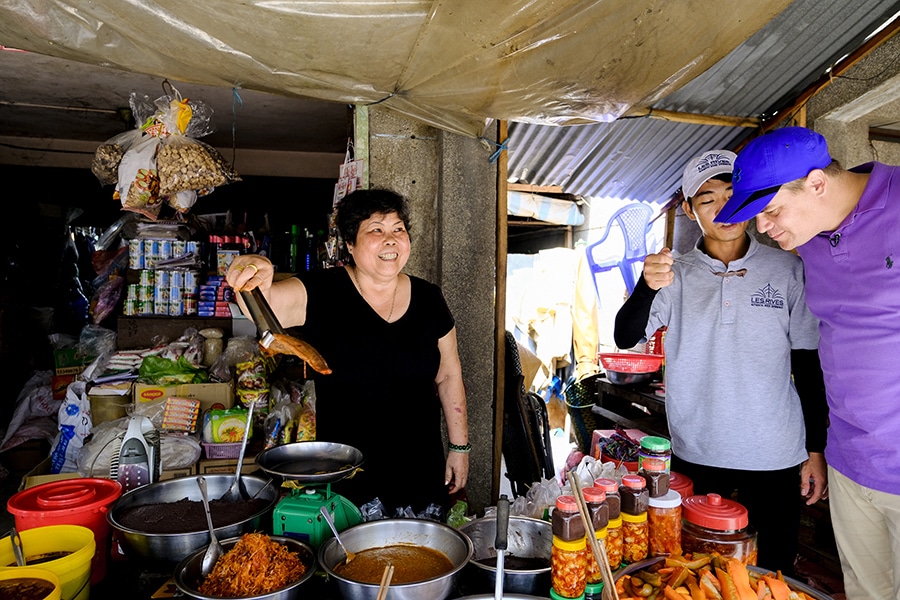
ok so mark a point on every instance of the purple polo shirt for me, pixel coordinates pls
(853, 288)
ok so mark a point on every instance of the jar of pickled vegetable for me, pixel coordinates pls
(635, 537)
(613, 500)
(711, 523)
(664, 522)
(614, 543)
(568, 559)
(594, 574)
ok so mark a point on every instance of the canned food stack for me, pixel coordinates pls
(163, 292)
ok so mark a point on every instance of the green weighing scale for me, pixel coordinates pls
(311, 467)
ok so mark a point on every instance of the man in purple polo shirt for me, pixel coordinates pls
(846, 227)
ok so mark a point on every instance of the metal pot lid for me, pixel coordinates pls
(311, 462)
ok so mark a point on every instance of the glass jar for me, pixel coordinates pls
(653, 446)
(711, 523)
(594, 575)
(664, 521)
(598, 511)
(613, 500)
(614, 543)
(653, 470)
(635, 537)
(568, 559)
(635, 497)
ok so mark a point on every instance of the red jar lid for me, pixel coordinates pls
(567, 503)
(607, 485)
(681, 484)
(594, 495)
(714, 512)
(634, 481)
(71, 495)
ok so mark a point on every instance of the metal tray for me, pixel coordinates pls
(311, 462)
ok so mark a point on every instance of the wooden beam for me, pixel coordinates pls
(534, 189)
(692, 118)
(879, 134)
(500, 312)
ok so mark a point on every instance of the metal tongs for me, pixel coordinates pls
(266, 322)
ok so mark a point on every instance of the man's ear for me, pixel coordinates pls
(688, 210)
(816, 182)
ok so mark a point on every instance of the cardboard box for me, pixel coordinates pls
(41, 474)
(208, 466)
(209, 394)
(176, 473)
(68, 361)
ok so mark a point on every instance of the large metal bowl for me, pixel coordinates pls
(188, 577)
(388, 532)
(310, 462)
(527, 538)
(173, 547)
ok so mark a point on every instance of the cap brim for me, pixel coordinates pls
(743, 207)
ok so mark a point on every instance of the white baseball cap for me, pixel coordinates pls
(705, 167)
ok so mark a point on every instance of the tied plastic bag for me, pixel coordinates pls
(138, 183)
(108, 156)
(74, 426)
(163, 371)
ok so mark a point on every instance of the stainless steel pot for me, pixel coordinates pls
(388, 532)
(526, 538)
(173, 547)
(188, 577)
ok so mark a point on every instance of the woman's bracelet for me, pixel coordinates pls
(457, 448)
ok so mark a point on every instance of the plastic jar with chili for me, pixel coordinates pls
(568, 559)
(711, 523)
(614, 543)
(664, 521)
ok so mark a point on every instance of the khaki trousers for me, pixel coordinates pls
(867, 530)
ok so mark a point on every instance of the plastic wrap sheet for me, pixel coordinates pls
(454, 65)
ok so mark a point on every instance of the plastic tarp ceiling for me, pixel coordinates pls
(543, 208)
(455, 64)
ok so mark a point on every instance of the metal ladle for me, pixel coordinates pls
(215, 549)
(330, 521)
(18, 552)
(238, 491)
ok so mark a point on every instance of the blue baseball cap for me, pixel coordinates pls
(767, 163)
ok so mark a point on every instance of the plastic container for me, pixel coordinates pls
(634, 493)
(73, 569)
(653, 470)
(613, 500)
(664, 521)
(594, 574)
(635, 537)
(568, 559)
(80, 501)
(595, 498)
(7, 589)
(711, 523)
(681, 484)
(614, 543)
(655, 447)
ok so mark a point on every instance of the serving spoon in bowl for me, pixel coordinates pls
(330, 521)
(215, 549)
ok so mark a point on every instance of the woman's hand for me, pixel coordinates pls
(249, 271)
(457, 472)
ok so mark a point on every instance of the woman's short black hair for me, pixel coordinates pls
(357, 206)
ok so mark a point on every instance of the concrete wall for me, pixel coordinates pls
(452, 190)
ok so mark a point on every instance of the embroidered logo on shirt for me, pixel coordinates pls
(767, 297)
(889, 262)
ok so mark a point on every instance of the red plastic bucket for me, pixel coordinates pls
(81, 501)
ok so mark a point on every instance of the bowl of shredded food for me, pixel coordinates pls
(255, 566)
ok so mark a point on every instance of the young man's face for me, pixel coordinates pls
(789, 219)
(704, 207)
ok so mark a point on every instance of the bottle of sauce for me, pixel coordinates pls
(664, 521)
(653, 470)
(568, 560)
(656, 448)
(595, 498)
(635, 529)
(613, 500)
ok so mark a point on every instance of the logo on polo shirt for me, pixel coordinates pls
(767, 297)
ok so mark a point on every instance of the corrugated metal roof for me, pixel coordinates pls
(642, 158)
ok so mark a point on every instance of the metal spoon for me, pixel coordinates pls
(17, 547)
(215, 549)
(238, 491)
(328, 519)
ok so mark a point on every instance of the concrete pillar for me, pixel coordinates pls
(452, 190)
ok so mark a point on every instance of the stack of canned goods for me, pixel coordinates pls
(148, 253)
(162, 292)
